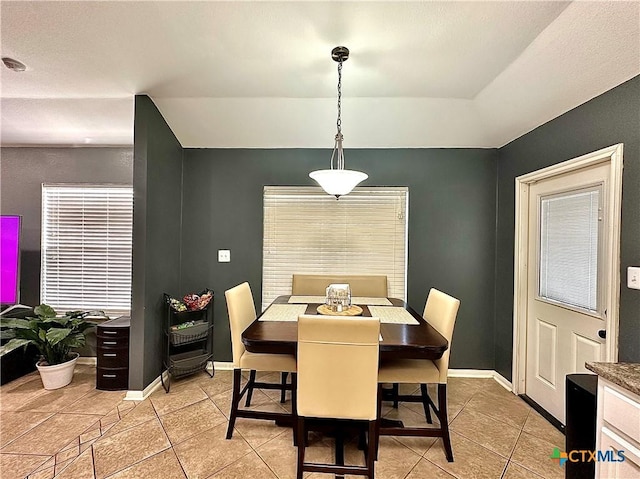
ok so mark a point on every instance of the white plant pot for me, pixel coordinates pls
(58, 375)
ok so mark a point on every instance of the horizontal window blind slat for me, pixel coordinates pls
(86, 247)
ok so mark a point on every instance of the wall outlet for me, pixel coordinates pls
(224, 256)
(633, 277)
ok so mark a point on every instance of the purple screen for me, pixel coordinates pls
(9, 258)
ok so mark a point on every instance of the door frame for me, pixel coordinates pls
(613, 156)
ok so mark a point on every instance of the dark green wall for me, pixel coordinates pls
(157, 198)
(460, 236)
(613, 117)
(451, 227)
(23, 170)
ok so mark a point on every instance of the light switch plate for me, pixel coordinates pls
(224, 256)
(633, 277)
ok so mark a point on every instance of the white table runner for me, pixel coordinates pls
(283, 312)
(394, 315)
(290, 312)
(354, 300)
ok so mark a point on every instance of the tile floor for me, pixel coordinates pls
(78, 432)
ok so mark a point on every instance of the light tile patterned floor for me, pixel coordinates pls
(78, 432)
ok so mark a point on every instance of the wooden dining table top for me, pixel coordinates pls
(410, 341)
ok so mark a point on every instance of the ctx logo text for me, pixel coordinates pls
(593, 456)
(587, 456)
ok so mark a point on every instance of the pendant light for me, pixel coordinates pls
(337, 181)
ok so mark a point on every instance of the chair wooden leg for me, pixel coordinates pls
(362, 440)
(395, 392)
(425, 403)
(294, 408)
(339, 441)
(252, 380)
(301, 446)
(235, 399)
(444, 421)
(283, 391)
(378, 421)
(339, 452)
(372, 449)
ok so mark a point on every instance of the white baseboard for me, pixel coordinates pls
(471, 373)
(481, 373)
(454, 373)
(228, 366)
(502, 381)
(223, 365)
(134, 395)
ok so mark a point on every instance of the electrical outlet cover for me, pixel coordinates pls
(633, 277)
(224, 256)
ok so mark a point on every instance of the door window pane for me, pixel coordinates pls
(569, 239)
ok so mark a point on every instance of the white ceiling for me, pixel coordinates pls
(259, 74)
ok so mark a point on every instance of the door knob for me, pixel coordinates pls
(603, 333)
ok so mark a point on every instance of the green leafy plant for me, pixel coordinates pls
(53, 336)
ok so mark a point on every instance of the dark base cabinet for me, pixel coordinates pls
(112, 347)
(581, 411)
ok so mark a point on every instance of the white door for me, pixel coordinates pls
(565, 292)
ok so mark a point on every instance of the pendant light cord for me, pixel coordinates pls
(338, 155)
(339, 121)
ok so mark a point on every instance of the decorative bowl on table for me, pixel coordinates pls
(352, 310)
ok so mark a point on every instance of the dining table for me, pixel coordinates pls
(403, 332)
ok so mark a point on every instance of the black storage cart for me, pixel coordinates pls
(189, 342)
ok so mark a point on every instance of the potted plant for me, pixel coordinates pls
(54, 337)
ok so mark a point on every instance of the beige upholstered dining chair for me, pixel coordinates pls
(337, 379)
(242, 313)
(440, 311)
(368, 285)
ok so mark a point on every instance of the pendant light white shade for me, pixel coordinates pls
(338, 182)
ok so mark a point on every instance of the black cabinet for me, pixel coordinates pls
(581, 411)
(189, 342)
(112, 349)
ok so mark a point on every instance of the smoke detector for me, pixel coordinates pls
(14, 65)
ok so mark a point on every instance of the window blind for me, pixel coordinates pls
(86, 247)
(569, 246)
(307, 231)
